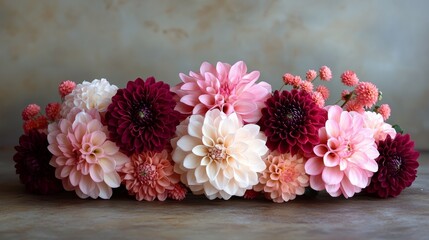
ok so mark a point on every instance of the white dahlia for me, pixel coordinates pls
(217, 155)
(90, 95)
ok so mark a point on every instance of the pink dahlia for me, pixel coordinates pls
(141, 117)
(149, 175)
(366, 94)
(397, 166)
(344, 160)
(32, 164)
(178, 192)
(83, 158)
(291, 121)
(284, 177)
(225, 87)
(325, 73)
(349, 78)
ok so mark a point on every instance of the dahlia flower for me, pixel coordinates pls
(217, 155)
(397, 166)
(291, 121)
(32, 164)
(225, 87)
(84, 159)
(178, 192)
(89, 95)
(141, 117)
(284, 177)
(375, 122)
(149, 175)
(345, 157)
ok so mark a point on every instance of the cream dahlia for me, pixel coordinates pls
(345, 158)
(217, 155)
(284, 177)
(83, 158)
(89, 95)
(225, 87)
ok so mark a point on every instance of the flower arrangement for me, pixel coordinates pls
(219, 133)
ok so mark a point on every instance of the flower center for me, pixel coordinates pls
(147, 173)
(287, 175)
(394, 165)
(217, 153)
(292, 116)
(144, 113)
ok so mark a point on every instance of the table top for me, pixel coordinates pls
(65, 216)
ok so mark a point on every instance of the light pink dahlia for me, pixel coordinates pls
(149, 175)
(345, 157)
(225, 87)
(217, 155)
(84, 159)
(380, 128)
(284, 177)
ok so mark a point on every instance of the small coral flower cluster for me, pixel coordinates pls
(218, 133)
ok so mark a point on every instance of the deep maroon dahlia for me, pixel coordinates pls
(32, 164)
(291, 121)
(397, 166)
(141, 116)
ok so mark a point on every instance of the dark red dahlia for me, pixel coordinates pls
(397, 166)
(141, 116)
(32, 164)
(291, 121)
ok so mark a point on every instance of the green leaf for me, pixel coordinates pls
(398, 128)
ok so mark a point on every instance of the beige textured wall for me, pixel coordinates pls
(45, 42)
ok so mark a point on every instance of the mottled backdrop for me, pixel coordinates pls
(45, 42)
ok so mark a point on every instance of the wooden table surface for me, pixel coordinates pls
(65, 216)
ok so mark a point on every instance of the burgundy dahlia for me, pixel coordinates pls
(291, 121)
(141, 116)
(397, 166)
(32, 164)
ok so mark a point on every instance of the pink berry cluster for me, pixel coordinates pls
(33, 117)
(321, 93)
(364, 96)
